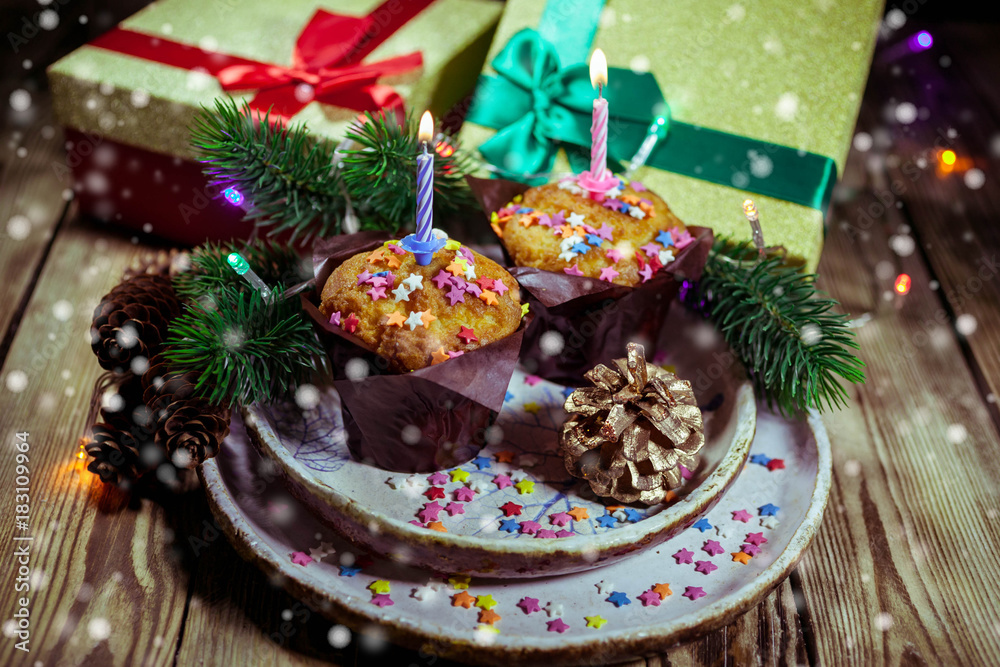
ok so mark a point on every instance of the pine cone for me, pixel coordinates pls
(159, 262)
(115, 454)
(189, 428)
(123, 446)
(193, 431)
(629, 435)
(131, 321)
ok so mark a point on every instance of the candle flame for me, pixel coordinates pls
(426, 132)
(750, 209)
(598, 69)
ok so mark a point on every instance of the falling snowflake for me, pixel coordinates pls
(20, 100)
(17, 381)
(906, 113)
(787, 107)
(99, 629)
(956, 434)
(974, 179)
(863, 141)
(966, 324)
(902, 244)
(18, 227)
(339, 636)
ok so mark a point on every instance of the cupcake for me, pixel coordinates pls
(623, 238)
(600, 270)
(422, 355)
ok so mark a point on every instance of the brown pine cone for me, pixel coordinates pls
(131, 321)
(159, 262)
(115, 454)
(193, 431)
(162, 387)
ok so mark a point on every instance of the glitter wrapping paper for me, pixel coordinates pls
(452, 403)
(148, 105)
(788, 73)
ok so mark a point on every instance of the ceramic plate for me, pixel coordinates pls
(695, 583)
(514, 510)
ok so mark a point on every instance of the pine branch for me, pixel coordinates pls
(288, 173)
(243, 348)
(781, 327)
(381, 175)
(210, 269)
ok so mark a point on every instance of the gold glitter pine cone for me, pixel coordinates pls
(628, 435)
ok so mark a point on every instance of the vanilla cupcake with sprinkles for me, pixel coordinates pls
(623, 235)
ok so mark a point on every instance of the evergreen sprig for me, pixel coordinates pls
(243, 348)
(291, 180)
(381, 174)
(210, 270)
(783, 329)
(283, 171)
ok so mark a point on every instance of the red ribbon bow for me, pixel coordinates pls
(326, 62)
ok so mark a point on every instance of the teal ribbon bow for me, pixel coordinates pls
(538, 105)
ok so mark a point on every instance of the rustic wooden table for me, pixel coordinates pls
(906, 567)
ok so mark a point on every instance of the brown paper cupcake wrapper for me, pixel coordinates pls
(425, 420)
(581, 321)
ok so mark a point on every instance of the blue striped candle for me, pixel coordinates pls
(425, 181)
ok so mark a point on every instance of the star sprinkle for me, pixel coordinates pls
(438, 478)
(401, 293)
(335, 319)
(702, 525)
(437, 526)
(459, 475)
(524, 309)
(376, 293)
(760, 459)
(619, 599)
(607, 521)
(395, 320)
(439, 356)
(301, 558)
(768, 509)
(573, 270)
(545, 533)
(558, 625)
(441, 279)
(351, 323)
(705, 567)
(479, 485)
(665, 257)
(742, 515)
(651, 249)
(646, 272)
(751, 549)
(632, 515)
(502, 481)
(770, 522)
(665, 239)
(454, 508)
(425, 593)
(363, 277)
(430, 511)
(529, 605)
(485, 602)
(511, 509)
(636, 212)
(377, 255)
(684, 557)
(605, 587)
(500, 287)
(462, 599)
(457, 267)
(349, 570)
(694, 592)
(712, 548)
(575, 219)
(532, 407)
(740, 557)
(382, 600)
(554, 609)
(434, 493)
(426, 318)
(663, 590)
(489, 616)
(614, 254)
(414, 320)
(650, 598)
(756, 539)
(609, 274)
(509, 525)
(530, 527)
(414, 282)
(379, 586)
(525, 486)
(577, 513)
(489, 298)
(595, 622)
(776, 464)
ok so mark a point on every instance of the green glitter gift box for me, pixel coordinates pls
(777, 73)
(128, 98)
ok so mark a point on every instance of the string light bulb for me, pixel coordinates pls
(233, 196)
(750, 211)
(902, 284)
(242, 268)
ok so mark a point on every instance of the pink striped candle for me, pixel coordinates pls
(599, 126)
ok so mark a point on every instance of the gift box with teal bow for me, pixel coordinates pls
(751, 101)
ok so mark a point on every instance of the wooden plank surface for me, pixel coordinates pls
(904, 569)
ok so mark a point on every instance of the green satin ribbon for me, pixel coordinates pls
(537, 106)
